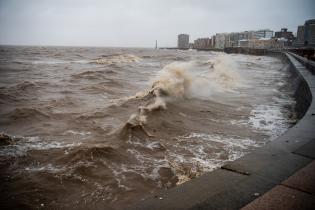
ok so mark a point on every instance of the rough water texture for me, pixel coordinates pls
(102, 128)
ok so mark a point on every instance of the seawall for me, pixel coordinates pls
(239, 182)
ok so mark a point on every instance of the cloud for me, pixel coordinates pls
(134, 23)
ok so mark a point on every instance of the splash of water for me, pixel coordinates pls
(186, 80)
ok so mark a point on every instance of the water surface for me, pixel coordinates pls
(106, 127)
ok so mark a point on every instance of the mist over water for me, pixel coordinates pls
(106, 127)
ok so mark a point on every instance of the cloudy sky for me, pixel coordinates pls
(138, 23)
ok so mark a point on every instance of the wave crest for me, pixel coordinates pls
(180, 81)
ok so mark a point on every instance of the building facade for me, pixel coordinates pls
(183, 41)
(288, 35)
(263, 33)
(263, 43)
(309, 33)
(247, 35)
(300, 36)
(213, 41)
(203, 43)
(220, 40)
(233, 39)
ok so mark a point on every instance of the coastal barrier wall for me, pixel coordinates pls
(239, 182)
(306, 62)
(302, 94)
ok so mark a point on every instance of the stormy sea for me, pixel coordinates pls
(102, 128)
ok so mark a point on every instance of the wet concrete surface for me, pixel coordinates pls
(297, 192)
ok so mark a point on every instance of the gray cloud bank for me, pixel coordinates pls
(138, 23)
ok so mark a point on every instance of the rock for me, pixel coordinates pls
(5, 139)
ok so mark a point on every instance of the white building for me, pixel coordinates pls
(220, 40)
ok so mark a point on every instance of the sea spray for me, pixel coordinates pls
(185, 80)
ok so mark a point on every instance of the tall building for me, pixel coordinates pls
(300, 36)
(183, 41)
(309, 33)
(284, 33)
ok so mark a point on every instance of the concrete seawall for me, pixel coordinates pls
(239, 182)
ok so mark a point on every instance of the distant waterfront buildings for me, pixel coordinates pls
(183, 41)
(260, 39)
(234, 39)
(262, 43)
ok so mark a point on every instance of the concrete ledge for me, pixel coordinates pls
(307, 63)
(238, 183)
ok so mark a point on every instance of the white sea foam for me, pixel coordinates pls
(270, 119)
(190, 80)
(47, 168)
(199, 160)
(25, 144)
(80, 133)
(51, 61)
(188, 158)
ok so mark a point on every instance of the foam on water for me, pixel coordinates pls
(270, 119)
(47, 168)
(22, 145)
(51, 62)
(190, 156)
(199, 160)
(80, 133)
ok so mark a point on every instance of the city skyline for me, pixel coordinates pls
(140, 23)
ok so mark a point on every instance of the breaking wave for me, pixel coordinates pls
(180, 81)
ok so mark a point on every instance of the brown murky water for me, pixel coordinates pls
(102, 128)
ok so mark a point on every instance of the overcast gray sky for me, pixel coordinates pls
(138, 23)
